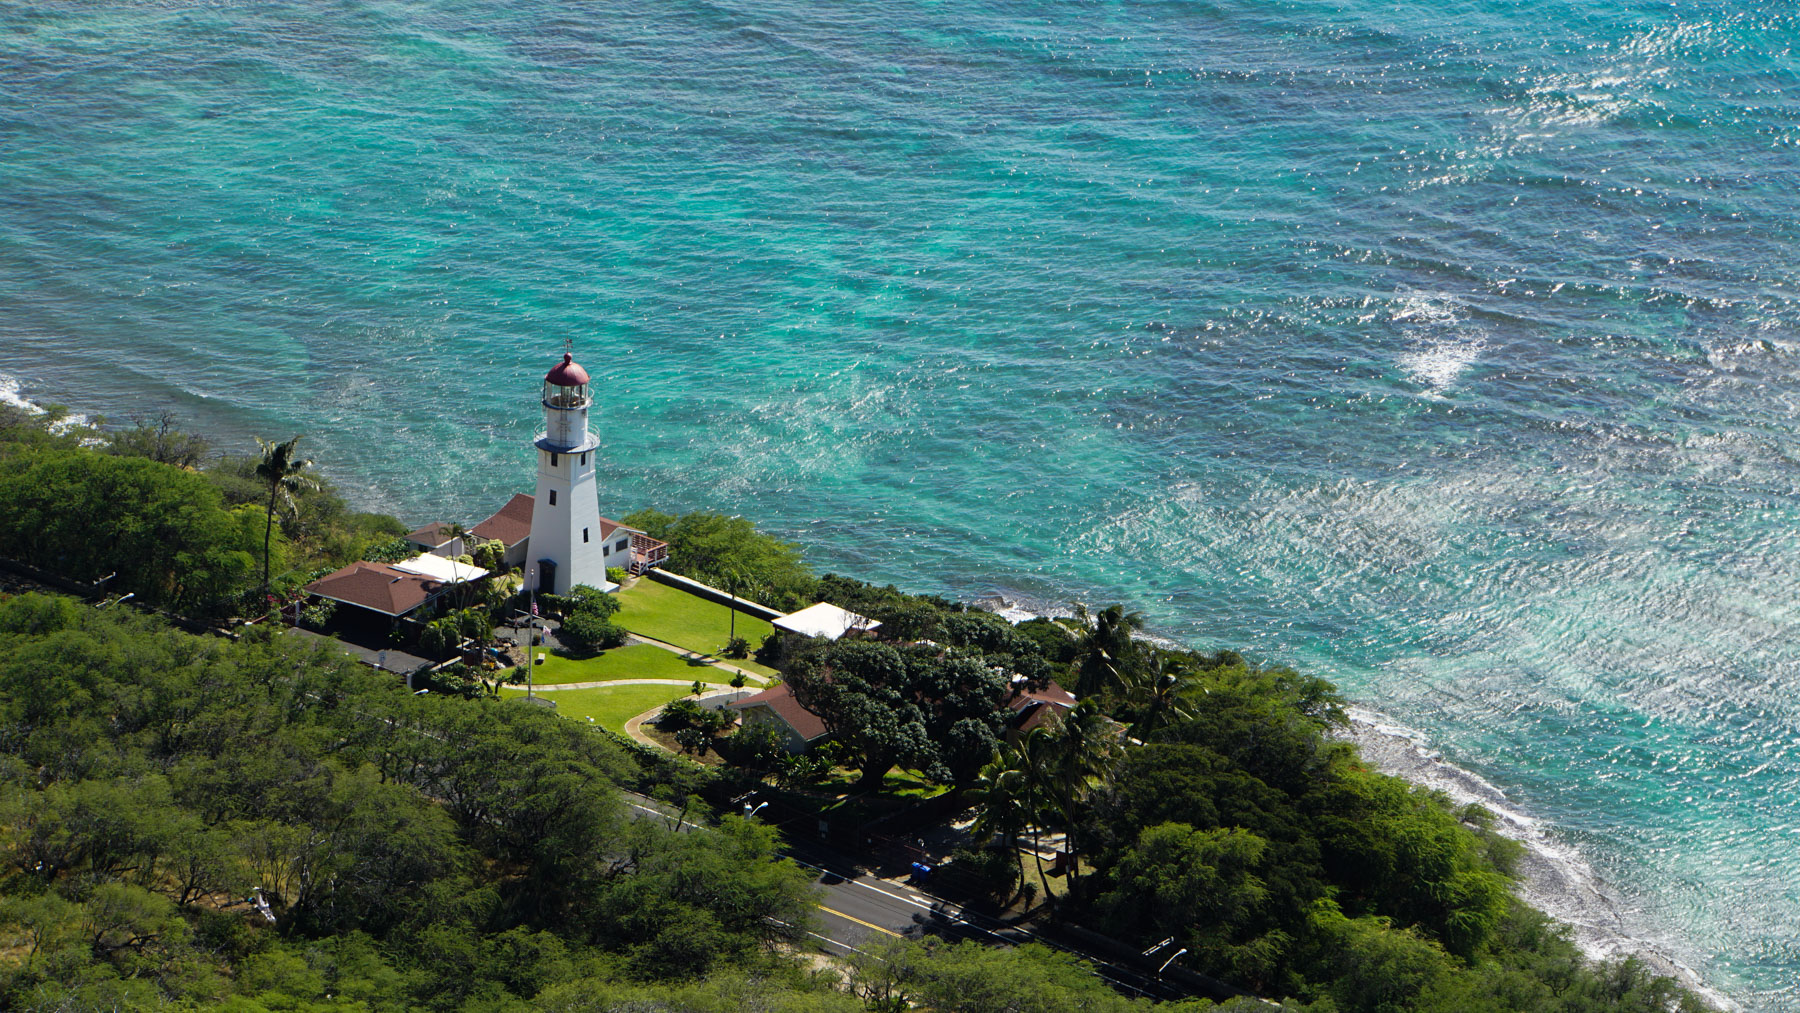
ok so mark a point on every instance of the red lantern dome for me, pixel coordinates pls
(567, 373)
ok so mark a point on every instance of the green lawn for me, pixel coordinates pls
(633, 661)
(676, 617)
(610, 706)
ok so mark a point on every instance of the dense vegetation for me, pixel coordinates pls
(729, 553)
(87, 504)
(449, 850)
(415, 853)
(1210, 805)
(468, 854)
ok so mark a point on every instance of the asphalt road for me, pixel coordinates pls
(857, 909)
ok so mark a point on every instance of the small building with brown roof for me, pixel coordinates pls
(378, 587)
(1034, 708)
(623, 547)
(511, 526)
(776, 707)
(436, 538)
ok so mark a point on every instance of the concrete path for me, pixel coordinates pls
(634, 729)
(553, 687)
(639, 638)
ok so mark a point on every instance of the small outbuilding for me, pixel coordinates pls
(776, 707)
(510, 526)
(436, 538)
(826, 620)
(378, 587)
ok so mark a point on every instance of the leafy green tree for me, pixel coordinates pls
(968, 977)
(158, 439)
(489, 554)
(159, 532)
(119, 916)
(918, 706)
(284, 473)
(718, 550)
(696, 901)
(46, 920)
(1204, 888)
(440, 637)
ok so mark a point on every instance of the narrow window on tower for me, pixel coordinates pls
(553, 497)
(552, 460)
(584, 536)
(584, 460)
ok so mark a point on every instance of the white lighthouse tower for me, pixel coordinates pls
(566, 546)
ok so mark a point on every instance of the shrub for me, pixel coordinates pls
(679, 714)
(770, 653)
(316, 615)
(694, 740)
(588, 631)
(390, 550)
(737, 647)
(587, 598)
(440, 637)
(755, 746)
(489, 554)
(804, 768)
(616, 574)
(991, 872)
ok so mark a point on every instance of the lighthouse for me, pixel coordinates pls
(568, 546)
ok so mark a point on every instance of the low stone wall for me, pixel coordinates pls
(713, 594)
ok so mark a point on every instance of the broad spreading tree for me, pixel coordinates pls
(919, 706)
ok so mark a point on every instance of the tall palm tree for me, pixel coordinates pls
(1157, 695)
(1108, 650)
(286, 474)
(1004, 793)
(1079, 752)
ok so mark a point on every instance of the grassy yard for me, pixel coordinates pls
(610, 706)
(676, 617)
(633, 661)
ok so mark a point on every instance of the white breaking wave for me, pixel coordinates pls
(12, 392)
(1555, 878)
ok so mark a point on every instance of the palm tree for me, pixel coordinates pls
(286, 474)
(1157, 695)
(1108, 650)
(1004, 792)
(1078, 756)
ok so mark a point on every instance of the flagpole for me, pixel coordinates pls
(531, 652)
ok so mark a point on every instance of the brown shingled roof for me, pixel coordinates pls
(376, 586)
(780, 699)
(510, 524)
(431, 535)
(1051, 693)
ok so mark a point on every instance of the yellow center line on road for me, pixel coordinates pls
(859, 921)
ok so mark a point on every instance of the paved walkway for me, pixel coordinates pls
(554, 686)
(634, 728)
(638, 638)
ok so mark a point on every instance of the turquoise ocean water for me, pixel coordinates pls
(1447, 349)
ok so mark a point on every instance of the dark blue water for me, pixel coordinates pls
(1445, 349)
